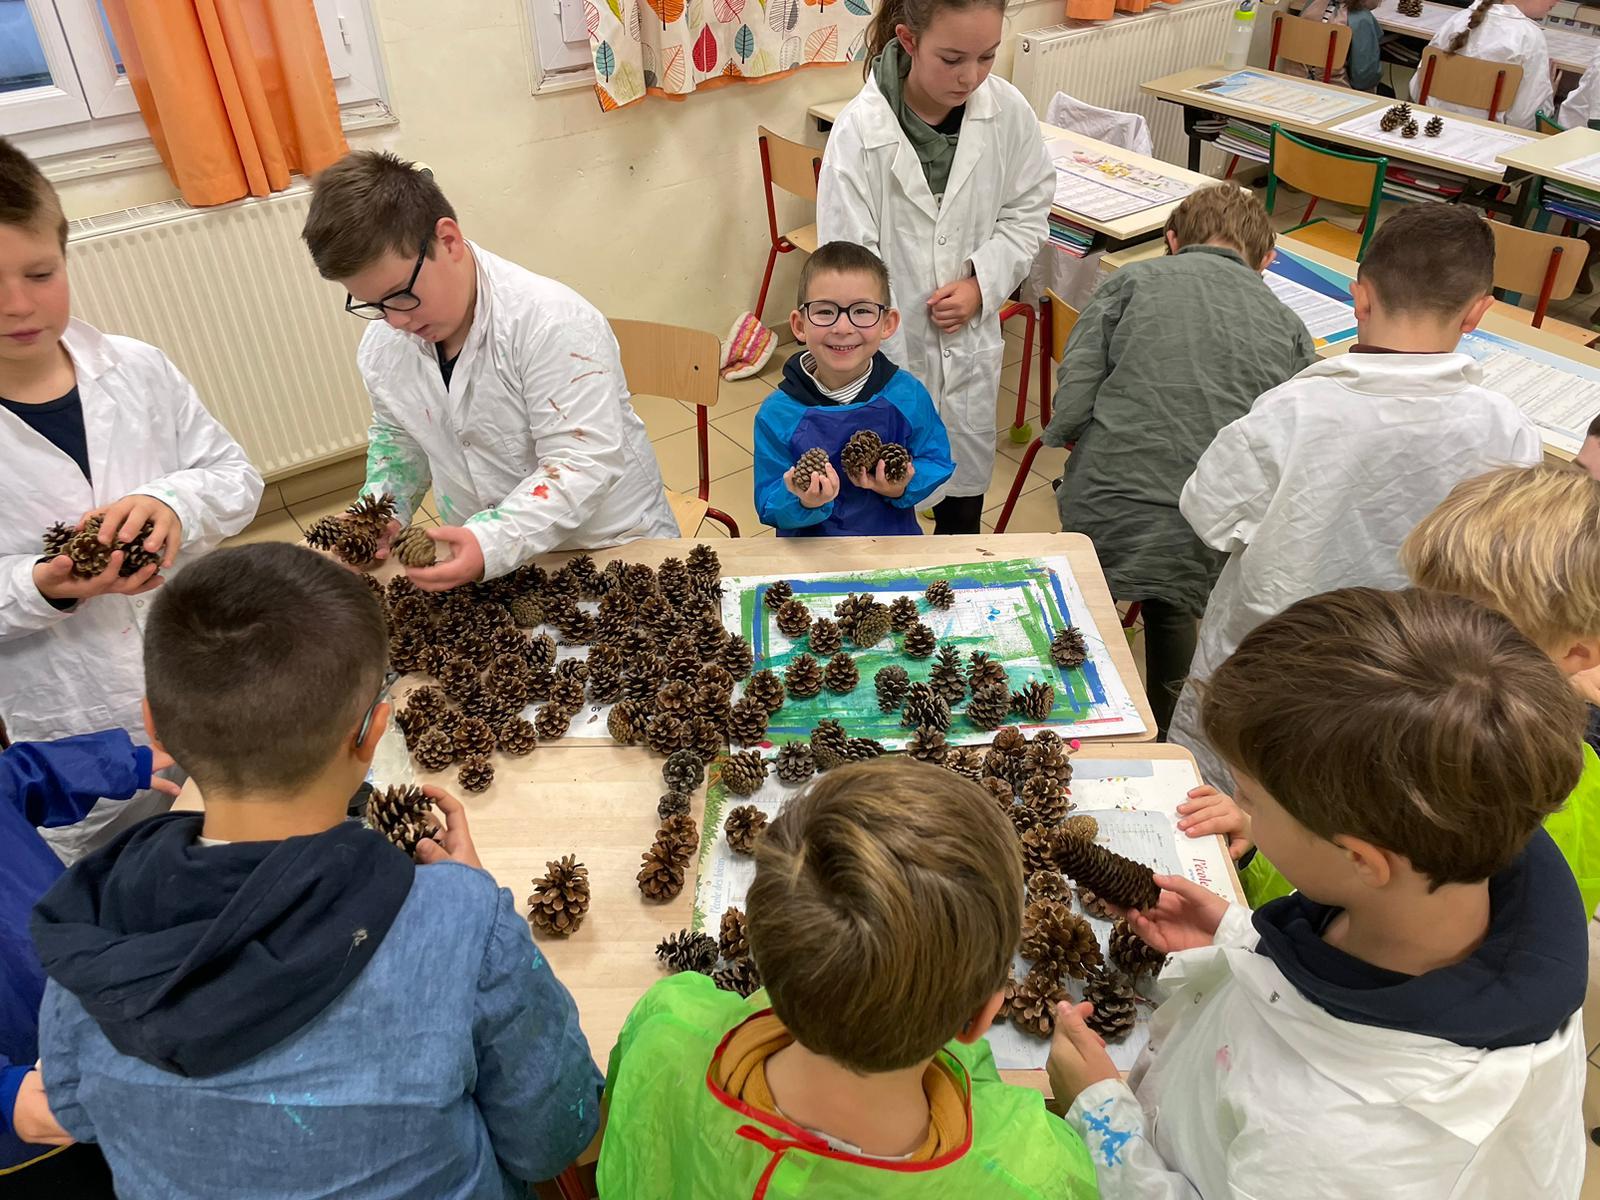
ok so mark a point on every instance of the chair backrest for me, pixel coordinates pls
(792, 166)
(1062, 319)
(669, 360)
(1352, 179)
(1125, 130)
(1544, 124)
(1472, 82)
(1522, 262)
(1321, 44)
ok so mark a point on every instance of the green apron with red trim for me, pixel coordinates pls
(671, 1133)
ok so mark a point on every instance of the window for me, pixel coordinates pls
(561, 55)
(64, 90)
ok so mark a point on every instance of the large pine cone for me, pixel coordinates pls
(413, 547)
(403, 815)
(1068, 649)
(747, 725)
(924, 706)
(743, 826)
(1122, 881)
(703, 560)
(946, 676)
(743, 772)
(706, 738)
(1058, 941)
(474, 738)
(664, 734)
(826, 637)
(988, 706)
(1048, 759)
(812, 462)
(891, 683)
(686, 951)
(560, 897)
(766, 687)
(940, 594)
(860, 453)
(803, 679)
(1114, 1012)
(794, 619)
(476, 775)
(1030, 1004)
(796, 763)
(919, 641)
(1132, 953)
(841, 675)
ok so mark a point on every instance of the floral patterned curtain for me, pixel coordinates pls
(674, 47)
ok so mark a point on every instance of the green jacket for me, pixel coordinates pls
(672, 1133)
(1168, 352)
(1575, 830)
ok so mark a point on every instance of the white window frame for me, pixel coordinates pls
(557, 65)
(88, 122)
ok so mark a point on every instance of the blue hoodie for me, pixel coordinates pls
(50, 784)
(798, 417)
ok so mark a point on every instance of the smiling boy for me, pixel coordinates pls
(839, 385)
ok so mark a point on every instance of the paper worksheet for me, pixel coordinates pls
(1104, 188)
(1327, 320)
(1572, 47)
(1305, 101)
(1460, 141)
(1587, 166)
(1558, 400)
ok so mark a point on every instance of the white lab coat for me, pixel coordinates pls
(64, 673)
(1319, 483)
(1504, 36)
(1582, 104)
(992, 220)
(534, 446)
(1249, 1091)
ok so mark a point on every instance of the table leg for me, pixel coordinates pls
(1528, 201)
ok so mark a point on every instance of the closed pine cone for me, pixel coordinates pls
(989, 706)
(940, 594)
(710, 638)
(1030, 1003)
(1120, 880)
(413, 547)
(803, 679)
(1114, 1010)
(1094, 906)
(738, 976)
(871, 626)
(517, 737)
(733, 938)
(891, 683)
(672, 804)
(895, 459)
(794, 619)
(683, 771)
(1068, 649)
(812, 462)
(919, 641)
(1132, 953)
(688, 951)
(403, 815)
(777, 593)
(1035, 701)
(626, 722)
(860, 453)
(743, 826)
(435, 750)
(743, 772)
(795, 763)
(841, 675)
(766, 687)
(1048, 885)
(560, 897)
(924, 706)
(748, 723)
(826, 637)
(527, 612)
(737, 657)
(966, 761)
(476, 775)
(1058, 941)
(946, 676)
(711, 703)
(664, 734)
(928, 744)
(661, 874)
(1081, 825)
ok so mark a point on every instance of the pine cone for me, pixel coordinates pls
(849, 610)
(794, 619)
(710, 639)
(966, 761)
(795, 762)
(1114, 1014)
(1081, 825)
(474, 738)
(626, 723)
(705, 738)
(984, 671)
(1120, 880)
(946, 676)
(605, 679)
(919, 641)
(777, 593)
(371, 512)
(1048, 885)
(683, 771)
(403, 815)
(733, 939)
(826, 638)
(859, 749)
(1434, 127)
(703, 560)
(541, 652)
(560, 897)
(672, 804)
(841, 675)
(1047, 760)
(674, 699)
(475, 775)
(1001, 791)
(1131, 953)
(56, 538)
(737, 657)
(902, 614)
(1046, 800)
(891, 683)
(324, 532)
(553, 720)
(743, 772)
(1030, 1004)
(356, 546)
(527, 612)
(664, 734)
(989, 706)
(940, 594)
(1058, 941)
(413, 547)
(1035, 701)
(686, 951)
(517, 737)
(435, 750)
(658, 616)
(425, 704)
(743, 826)
(871, 626)
(1038, 850)
(474, 648)
(923, 706)
(812, 462)
(89, 557)
(1094, 906)
(739, 976)
(1068, 649)
(748, 724)
(803, 679)
(928, 744)
(766, 687)
(711, 705)
(829, 741)
(1004, 760)
(661, 874)
(860, 453)
(1409, 129)
(672, 580)
(715, 675)
(895, 459)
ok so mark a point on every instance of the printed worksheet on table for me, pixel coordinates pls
(1559, 395)
(1458, 141)
(1318, 296)
(1588, 167)
(1307, 102)
(1104, 188)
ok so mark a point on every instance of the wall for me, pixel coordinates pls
(653, 211)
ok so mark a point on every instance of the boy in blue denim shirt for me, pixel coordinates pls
(269, 1000)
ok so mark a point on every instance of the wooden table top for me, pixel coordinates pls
(1549, 157)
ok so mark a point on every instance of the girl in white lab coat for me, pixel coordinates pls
(1504, 31)
(939, 168)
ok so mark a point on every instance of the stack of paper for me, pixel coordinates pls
(1245, 140)
(1070, 237)
(1406, 182)
(1567, 201)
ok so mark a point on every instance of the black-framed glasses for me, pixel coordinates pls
(390, 678)
(824, 314)
(400, 300)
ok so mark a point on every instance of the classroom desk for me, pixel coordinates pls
(1546, 159)
(1569, 49)
(826, 112)
(1179, 89)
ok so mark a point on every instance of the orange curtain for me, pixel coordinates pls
(237, 93)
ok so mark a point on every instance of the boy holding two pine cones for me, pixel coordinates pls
(850, 444)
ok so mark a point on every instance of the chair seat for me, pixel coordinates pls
(1325, 235)
(1561, 329)
(689, 510)
(804, 239)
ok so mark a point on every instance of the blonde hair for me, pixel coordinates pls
(886, 908)
(1225, 213)
(1523, 540)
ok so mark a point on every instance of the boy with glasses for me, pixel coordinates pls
(839, 386)
(502, 389)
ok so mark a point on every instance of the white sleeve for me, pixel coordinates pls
(1108, 1118)
(216, 490)
(1023, 223)
(1579, 106)
(1227, 497)
(23, 608)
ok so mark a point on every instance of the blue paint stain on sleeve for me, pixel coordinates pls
(1111, 1140)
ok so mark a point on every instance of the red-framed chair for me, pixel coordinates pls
(1012, 310)
(1307, 42)
(1472, 82)
(794, 167)
(679, 364)
(1542, 265)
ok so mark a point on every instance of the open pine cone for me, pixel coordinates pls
(813, 462)
(928, 744)
(737, 657)
(1068, 649)
(803, 679)
(1030, 1003)
(474, 738)
(626, 721)
(766, 687)
(517, 737)
(661, 872)
(560, 897)
(794, 619)
(826, 637)
(672, 580)
(1120, 880)
(743, 772)
(672, 804)
(665, 734)
(435, 750)
(891, 683)
(989, 706)
(476, 775)
(743, 826)
(747, 725)
(1048, 885)
(829, 741)
(1035, 701)
(1131, 953)
(1048, 760)
(940, 594)
(739, 976)
(919, 641)
(860, 453)
(1046, 800)
(902, 614)
(966, 761)
(924, 706)
(687, 951)
(777, 593)
(946, 676)
(1094, 906)
(1114, 1013)
(403, 815)
(841, 675)
(553, 720)
(796, 763)
(895, 459)
(984, 671)
(733, 939)
(1038, 847)
(1058, 941)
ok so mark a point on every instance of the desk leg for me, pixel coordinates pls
(1190, 116)
(1528, 201)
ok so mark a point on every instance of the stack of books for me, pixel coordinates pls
(1405, 181)
(1069, 236)
(1565, 200)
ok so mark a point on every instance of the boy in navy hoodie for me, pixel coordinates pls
(840, 385)
(268, 1001)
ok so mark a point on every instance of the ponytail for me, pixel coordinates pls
(1479, 11)
(916, 15)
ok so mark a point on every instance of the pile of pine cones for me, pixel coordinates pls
(89, 557)
(353, 535)
(688, 950)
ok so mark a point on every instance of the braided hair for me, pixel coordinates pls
(1479, 11)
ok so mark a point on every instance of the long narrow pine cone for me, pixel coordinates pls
(891, 683)
(1131, 953)
(803, 679)
(403, 815)
(1114, 1010)
(795, 763)
(827, 639)
(688, 951)
(924, 706)
(1122, 881)
(947, 678)
(743, 772)
(940, 594)
(794, 619)
(1057, 941)
(747, 726)
(928, 744)
(777, 593)
(1068, 649)
(733, 938)
(902, 614)
(1030, 1003)
(413, 547)
(743, 826)
(841, 675)
(560, 897)
(766, 687)
(1035, 701)
(989, 706)
(476, 775)
(919, 641)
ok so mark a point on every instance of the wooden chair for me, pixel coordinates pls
(793, 167)
(1310, 43)
(1536, 264)
(1323, 174)
(1473, 82)
(1546, 124)
(679, 364)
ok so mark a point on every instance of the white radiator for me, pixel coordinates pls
(1104, 62)
(230, 295)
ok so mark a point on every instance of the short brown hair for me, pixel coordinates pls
(886, 909)
(259, 662)
(1594, 428)
(1433, 259)
(1523, 540)
(842, 257)
(27, 199)
(1421, 722)
(367, 204)
(1226, 213)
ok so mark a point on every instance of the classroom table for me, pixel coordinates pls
(826, 112)
(1180, 88)
(1547, 159)
(1570, 50)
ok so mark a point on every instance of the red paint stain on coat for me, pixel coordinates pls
(542, 492)
(579, 434)
(586, 375)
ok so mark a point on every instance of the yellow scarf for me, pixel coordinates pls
(742, 1073)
